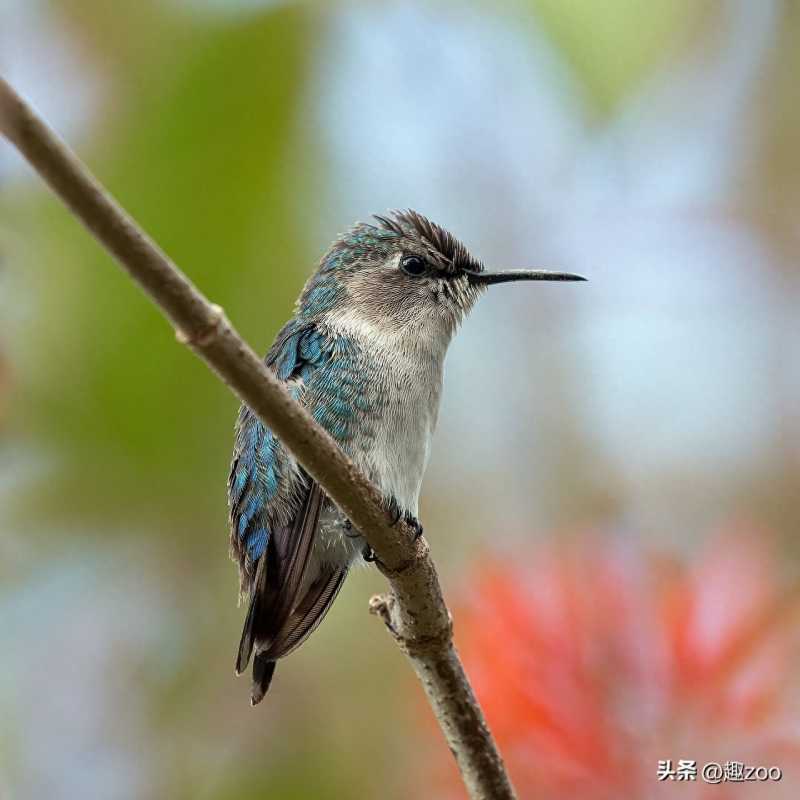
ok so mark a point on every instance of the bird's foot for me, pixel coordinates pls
(396, 514)
(414, 524)
(406, 516)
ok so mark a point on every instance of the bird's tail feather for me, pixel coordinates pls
(248, 631)
(263, 670)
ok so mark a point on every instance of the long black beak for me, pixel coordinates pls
(488, 278)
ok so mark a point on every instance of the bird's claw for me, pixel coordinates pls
(406, 516)
(368, 554)
(414, 524)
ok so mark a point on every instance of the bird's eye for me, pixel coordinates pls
(413, 265)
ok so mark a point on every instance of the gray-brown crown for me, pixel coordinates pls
(443, 249)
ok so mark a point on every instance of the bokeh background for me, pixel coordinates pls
(613, 498)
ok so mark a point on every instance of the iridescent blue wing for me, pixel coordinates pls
(265, 489)
(274, 512)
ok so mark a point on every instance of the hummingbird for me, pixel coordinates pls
(364, 353)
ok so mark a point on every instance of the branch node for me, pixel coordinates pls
(382, 605)
(204, 337)
(379, 605)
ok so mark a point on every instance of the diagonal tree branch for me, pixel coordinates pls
(414, 610)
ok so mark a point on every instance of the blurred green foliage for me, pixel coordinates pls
(205, 151)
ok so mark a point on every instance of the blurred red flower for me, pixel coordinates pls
(596, 659)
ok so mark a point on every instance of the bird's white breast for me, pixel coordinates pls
(409, 371)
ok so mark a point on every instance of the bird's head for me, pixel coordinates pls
(406, 274)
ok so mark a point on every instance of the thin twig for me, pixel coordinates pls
(414, 610)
